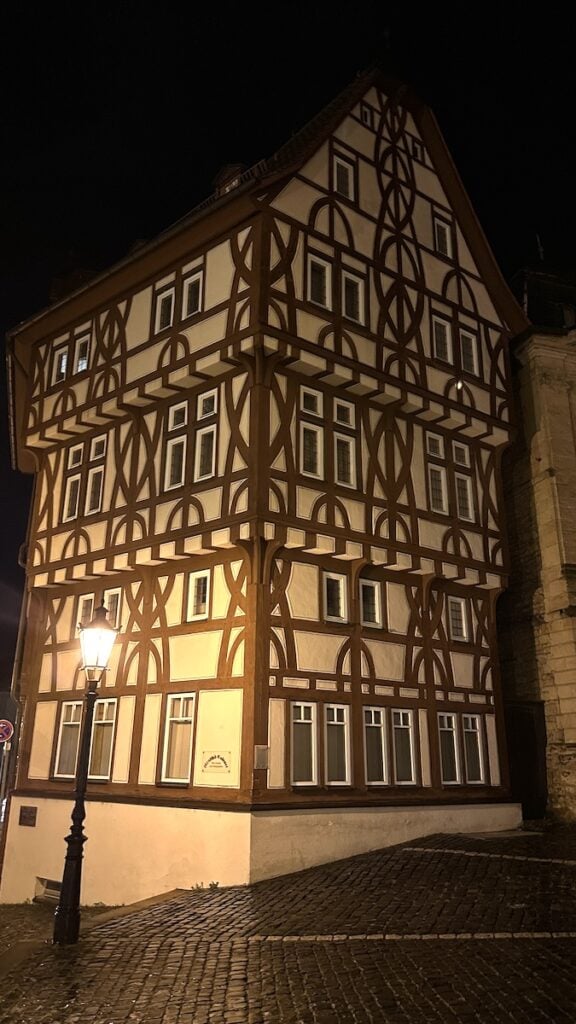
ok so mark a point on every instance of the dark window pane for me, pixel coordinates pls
(351, 298)
(336, 753)
(448, 756)
(402, 755)
(302, 761)
(318, 283)
(472, 749)
(374, 754)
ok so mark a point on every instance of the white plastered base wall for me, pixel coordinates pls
(134, 852)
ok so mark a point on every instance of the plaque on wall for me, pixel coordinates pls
(28, 816)
(216, 761)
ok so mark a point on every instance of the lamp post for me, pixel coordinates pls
(96, 641)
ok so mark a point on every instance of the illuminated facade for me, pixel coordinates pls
(271, 440)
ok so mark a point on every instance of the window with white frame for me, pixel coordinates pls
(311, 402)
(461, 454)
(319, 282)
(71, 498)
(303, 746)
(352, 297)
(469, 352)
(367, 115)
(102, 738)
(85, 609)
(75, 456)
(441, 340)
(97, 448)
(403, 747)
(437, 489)
(68, 740)
(375, 746)
(175, 462)
(343, 172)
(81, 353)
(448, 749)
(473, 761)
(344, 413)
(311, 450)
(178, 735)
(443, 237)
(344, 460)
(337, 744)
(84, 486)
(205, 455)
(177, 416)
(94, 489)
(207, 404)
(59, 364)
(457, 618)
(192, 294)
(335, 603)
(113, 603)
(435, 445)
(198, 595)
(164, 310)
(370, 603)
(464, 506)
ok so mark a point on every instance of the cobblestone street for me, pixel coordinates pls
(445, 929)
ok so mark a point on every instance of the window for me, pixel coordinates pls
(417, 151)
(352, 297)
(370, 603)
(435, 445)
(472, 749)
(59, 365)
(192, 295)
(343, 177)
(68, 740)
(207, 404)
(457, 623)
(311, 450)
(177, 416)
(442, 238)
(344, 413)
(205, 461)
(345, 469)
(335, 605)
(82, 353)
(177, 753)
(198, 595)
(461, 454)
(164, 310)
(303, 745)
(375, 746)
(464, 507)
(319, 282)
(437, 486)
(448, 748)
(442, 340)
(71, 499)
(113, 603)
(97, 448)
(403, 747)
(175, 463)
(311, 401)
(94, 490)
(469, 352)
(85, 609)
(102, 739)
(367, 115)
(337, 745)
(75, 456)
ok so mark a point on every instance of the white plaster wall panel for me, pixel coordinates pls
(356, 513)
(280, 634)
(97, 531)
(42, 740)
(245, 420)
(398, 608)
(431, 534)
(119, 531)
(493, 755)
(463, 668)
(238, 462)
(150, 738)
(296, 199)
(303, 591)
(220, 593)
(276, 743)
(219, 274)
(132, 665)
(242, 502)
(422, 219)
(184, 847)
(45, 677)
(476, 545)
(317, 652)
(138, 322)
(308, 326)
(195, 656)
(305, 498)
(111, 675)
(65, 627)
(154, 660)
(218, 739)
(389, 659)
(123, 740)
(174, 603)
(142, 364)
(428, 183)
(238, 662)
(204, 334)
(211, 503)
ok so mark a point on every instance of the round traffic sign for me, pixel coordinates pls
(6, 730)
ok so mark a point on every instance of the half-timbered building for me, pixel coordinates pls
(270, 440)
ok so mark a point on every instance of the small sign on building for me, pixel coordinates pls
(217, 761)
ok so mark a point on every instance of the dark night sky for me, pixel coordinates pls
(116, 118)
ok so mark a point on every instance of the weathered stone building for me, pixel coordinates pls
(537, 613)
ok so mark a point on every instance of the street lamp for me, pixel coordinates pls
(96, 641)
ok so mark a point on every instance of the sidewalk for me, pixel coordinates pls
(445, 929)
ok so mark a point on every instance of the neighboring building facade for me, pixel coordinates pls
(536, 615)
(271, 441)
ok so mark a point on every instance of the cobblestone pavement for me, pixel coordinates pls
(445, 929)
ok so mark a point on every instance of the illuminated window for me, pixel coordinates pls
(68, 740)
(59, 365)
(113, 604)
(82, 353)
(102, 739)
